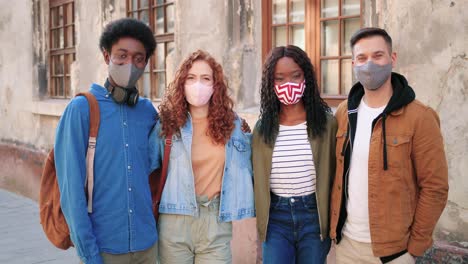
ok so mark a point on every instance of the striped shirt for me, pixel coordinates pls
(292, 170)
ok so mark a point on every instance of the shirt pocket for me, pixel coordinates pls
(398, 151)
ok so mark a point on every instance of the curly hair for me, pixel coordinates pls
(173, 110)
(127, 27)
(315, 107)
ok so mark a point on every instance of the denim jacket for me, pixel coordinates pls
(236, 197)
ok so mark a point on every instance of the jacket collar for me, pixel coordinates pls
(99, 90)
(402, 95)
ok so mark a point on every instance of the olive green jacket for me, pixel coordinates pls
(323, 150)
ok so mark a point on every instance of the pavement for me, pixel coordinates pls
(22, 240)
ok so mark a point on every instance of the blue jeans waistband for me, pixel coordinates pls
(305, 200)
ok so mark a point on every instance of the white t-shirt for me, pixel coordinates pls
(292, 169)
(357, 222)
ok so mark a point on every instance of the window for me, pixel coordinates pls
(61, 46)
(160, 16)
(323, 29)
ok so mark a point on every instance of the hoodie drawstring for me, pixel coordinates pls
(345, 142)
(385, 165)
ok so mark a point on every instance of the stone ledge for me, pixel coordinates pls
(21, 169)
(50, 107)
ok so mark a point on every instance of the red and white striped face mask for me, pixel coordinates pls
(290, 93)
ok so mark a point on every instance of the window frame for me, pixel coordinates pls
(163, 38)
(64, 51)
(312, 28)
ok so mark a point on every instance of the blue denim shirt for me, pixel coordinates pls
(236, 198)
(122, 220)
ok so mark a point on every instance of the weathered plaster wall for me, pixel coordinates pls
(91, 18)
(16, 72)
(27, 115)
(430, 38)
(231, 32)
(24, 106)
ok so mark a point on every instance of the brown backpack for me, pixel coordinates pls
(52, 219)
(51, 215)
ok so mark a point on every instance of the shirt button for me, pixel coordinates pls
(125, 123)
(292, 200)
(129, 189)
(131, 211)
(126, 145)
(129, 167)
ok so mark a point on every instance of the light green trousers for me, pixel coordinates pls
(195, 239)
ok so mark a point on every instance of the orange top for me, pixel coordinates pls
(207, 160)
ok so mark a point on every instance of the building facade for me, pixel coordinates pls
(49, 52)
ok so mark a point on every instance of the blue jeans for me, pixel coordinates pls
(293, 234)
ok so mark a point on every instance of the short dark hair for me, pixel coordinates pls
(370, 32)
(127, 27)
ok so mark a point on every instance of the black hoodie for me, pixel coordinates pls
(402, 95)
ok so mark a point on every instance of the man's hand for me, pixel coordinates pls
(244, 126)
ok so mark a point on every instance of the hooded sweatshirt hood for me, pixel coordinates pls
(402, 95)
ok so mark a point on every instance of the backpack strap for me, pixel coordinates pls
(94, 120)
(163, 176)
(167, 154)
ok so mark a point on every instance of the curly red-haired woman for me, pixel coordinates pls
(209, 182)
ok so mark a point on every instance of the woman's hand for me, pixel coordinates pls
(244, 126)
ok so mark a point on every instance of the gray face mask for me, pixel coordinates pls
(372, 76)
(125, 75)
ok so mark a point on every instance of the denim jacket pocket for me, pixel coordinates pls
(239, 144)
(240, 152)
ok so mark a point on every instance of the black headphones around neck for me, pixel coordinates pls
(122, 95)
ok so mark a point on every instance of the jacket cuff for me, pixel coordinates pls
(95, 259)
(418, 247)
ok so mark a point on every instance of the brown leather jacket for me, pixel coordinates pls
(408, 183)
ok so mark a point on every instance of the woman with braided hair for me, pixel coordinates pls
(293, 148)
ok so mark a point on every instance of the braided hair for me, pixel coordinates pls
(315, 107)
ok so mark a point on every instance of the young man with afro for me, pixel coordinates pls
(119, 227)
